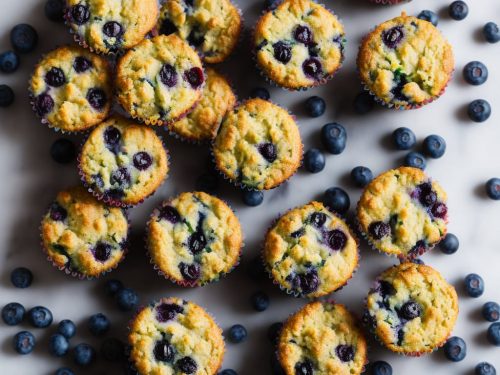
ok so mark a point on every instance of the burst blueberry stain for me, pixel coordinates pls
(197, 242)
(112, 138)
(194, 77)
(410, 310)
(112, 29)
(345, 352)
(379, 230)
(304, 368)
(57, 212)
(80, 14)
(393, 36)
(55, 77)
(312, 68)
(268, 151)
(190, 272)
(142, 160)
(303, 34)
(43, 104)
(282, 52)
(168, 75)
(170, 214)
(96, 98)
(120, 177)
(336, 239)
(187, 365)
(168, 311)
(167, 27)
(318, 219)
(102, 251)
(163, 351)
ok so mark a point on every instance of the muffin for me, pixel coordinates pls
(194, 239)
(322, 338)
(211, 26)
(403, 212)
(310, 252)
(122, 162)
(109, 26)
(82, 236)
(411, 309)
(160, 80)
(71, 89)
(172, 336)
(203, 122)
(298, 45)
(405, 62)
(258, 145)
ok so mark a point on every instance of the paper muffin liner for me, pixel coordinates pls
(187, 283)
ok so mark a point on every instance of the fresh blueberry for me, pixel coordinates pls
(485, 368)
(273, 332)
(474, 285)
(112, 286)
(9, 62)
(314, 160)
(337, 200)
(491, 32)
(430, 16)
(54, 10)
(259, 301)
(416, 160)
(381, 368)
(271, 4)
(449, 244)
(479, 110)
(127, 299)
(207, 182)
(493, 188)
(24, 342)
(361, 176)
(64, 371)
(455, 349)
(403, 138)
(58, 345)
(434, 146)
(334, 138)
(493, 334)
(458, 10)
(256, 270)
(13, 313)
(228, 372)
(315, 106)
(475, 73)
(21, 277)
(23, 38)
(252, 198)
(40, 317)
(63, 151)
(83, 354)
(491, 311)
(66, 328)
(6, 96)
(98, 324)
(363, 103)
(112, 349)
(260, 92)
(237, 333)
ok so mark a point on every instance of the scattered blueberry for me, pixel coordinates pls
(493, 188)
(334, 138)
(260, 301)
(112, 349)
(260, 92)
(54, 10)
(273, 332)
(228, 372)
(491, 32)
(13, 313)
(112, 286)
(337, 200)
(64, 371)
(40, 317)
(449, 244)
(485, 368)
(479, 110)
(256, 269)
(98, 324)
(58, 345)
(237, 333)
(361, 176)
(363, 103)
(493, 333)
(491, 311)
(475, 73)
(6, 96)
(434, 146)
(127, 299)
(66, 328)
(416, 160)
(252, 198)
(455, 349)
(9, 62)
(458, 10)
(21, 277)
(207, 182)
(381, 368)
(404, 138)
(83, 354)
(23, 38)
(314, 160)
(63, 151)
(24, 342)
(429, 16)
(315, 106)
(474, 285)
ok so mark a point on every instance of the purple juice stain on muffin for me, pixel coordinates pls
(170, 214)
(58, 212)
(120, 177)
(43, 104)
(312, 68)
(142, 160)
(80, 14)
(194, 77)
(163, 351)
(304, 368)
(55, 77)
(102, 251)
(168, 311)
(112, 29)
(303, 34)
(336, 239)
(268, 151)
(190, 272)
(345, 352)
(96, 98)
(282, 52)
(112, 138)
(81, 64)
(393, 36)
(168, 75)
(379, 230)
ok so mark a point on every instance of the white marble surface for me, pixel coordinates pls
(30, 180)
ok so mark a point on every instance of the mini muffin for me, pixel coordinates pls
(172, 336)
(204, 121)
(310, 252)
(298, 45)
(71, 89)
(405, 62)
(122, 162)
(411, 309)
(160, 80)
(322, 338)
(82, 236)
(211, 26)
(194, 239)
(258, 145)
(403, 212)
(109, 26)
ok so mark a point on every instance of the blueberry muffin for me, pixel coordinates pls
(194, 239)
(211, 26)
(322, 338)
(172, 336)
(122, 162)
(310, 252)
(82, 236)
(411, 309)
(71, 89)
(109, 26)
(405, 62)
(258, 145)
(160, 80)
(203, 122)
(403, 212)
(298, 45)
